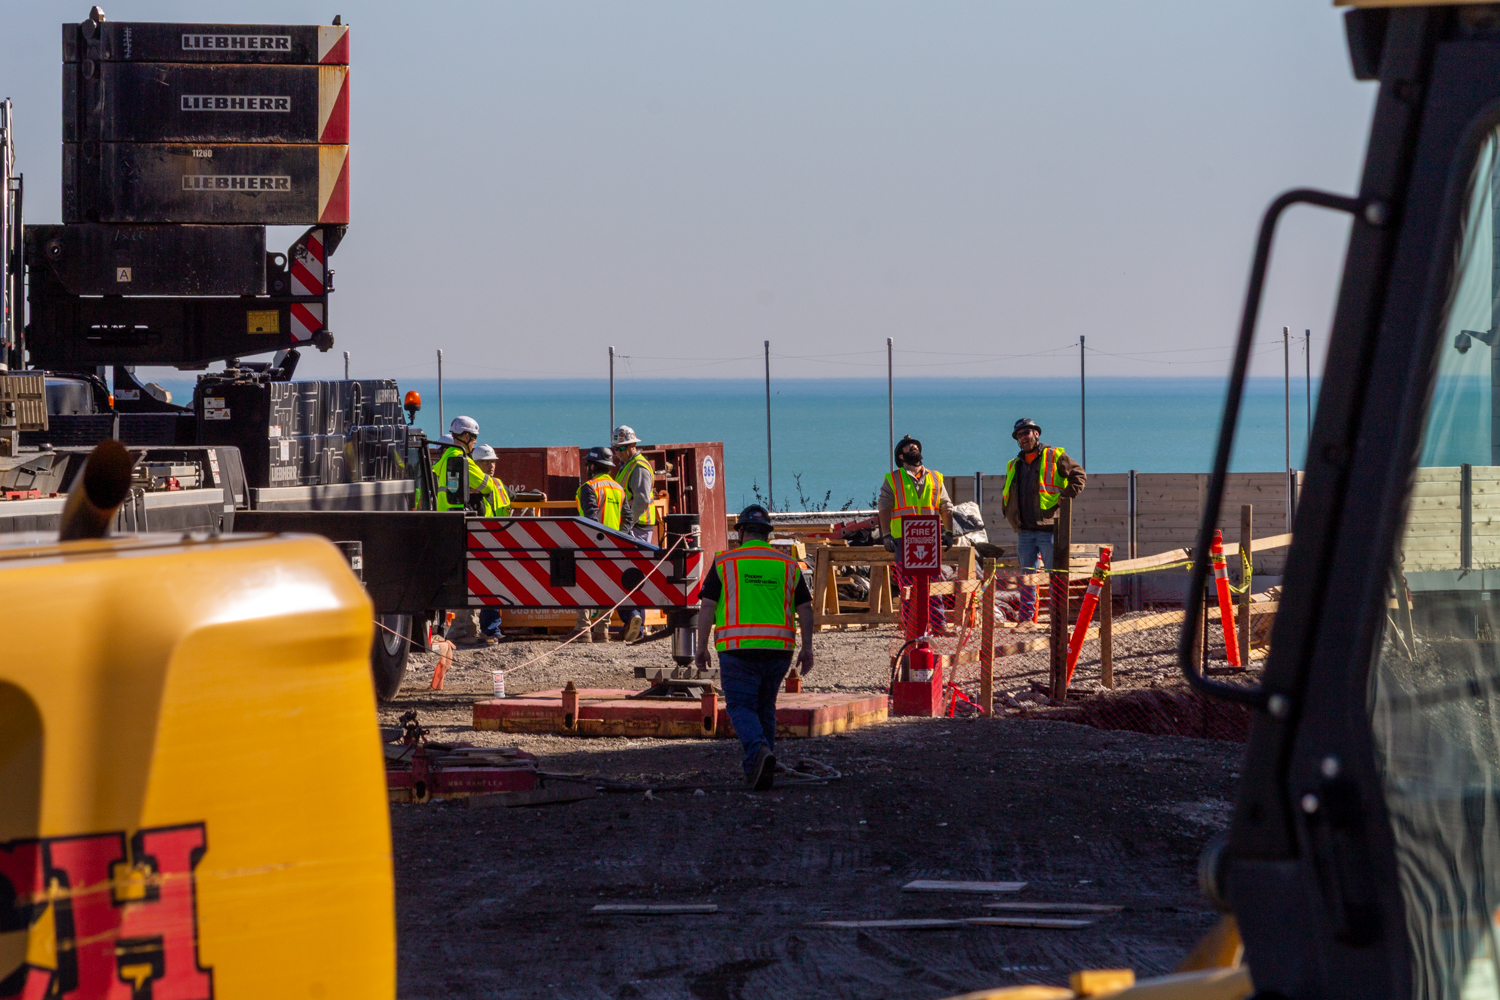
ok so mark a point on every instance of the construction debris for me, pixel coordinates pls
(938, 885)
(547, 792)
(1055, 907)
(939, 923)
(654, 909)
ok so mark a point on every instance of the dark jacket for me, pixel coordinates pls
(1023, 507)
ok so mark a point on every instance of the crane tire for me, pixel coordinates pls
(388, 654)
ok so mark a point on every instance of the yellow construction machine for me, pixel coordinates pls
(1363, 857)
(192, 790)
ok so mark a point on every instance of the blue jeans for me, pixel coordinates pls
(489, 621)
(750, 689)
(1030, 545)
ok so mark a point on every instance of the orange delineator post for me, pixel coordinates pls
(1226, 600)
(1086, 610)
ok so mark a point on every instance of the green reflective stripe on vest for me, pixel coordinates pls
(622, 476)
(1049, 487)
(755, 608)
(611, 497)
(908, 498)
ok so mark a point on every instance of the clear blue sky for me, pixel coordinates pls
(533, 182)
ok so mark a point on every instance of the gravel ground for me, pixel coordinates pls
(496, 902)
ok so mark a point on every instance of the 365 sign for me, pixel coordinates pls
(921, 544)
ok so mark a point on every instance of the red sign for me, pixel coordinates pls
(922, 544)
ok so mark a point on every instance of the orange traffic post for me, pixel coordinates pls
(1086, 610)
(1226, 600)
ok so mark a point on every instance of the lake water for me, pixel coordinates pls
(833, 432)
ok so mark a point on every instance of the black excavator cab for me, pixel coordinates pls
(1363, 859)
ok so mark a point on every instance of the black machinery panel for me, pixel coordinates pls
(93, 259)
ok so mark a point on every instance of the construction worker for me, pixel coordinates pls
(600, 499)
(1035, 480)
(748, 597)
(912, 489)
(639, 479)
(463, 485)
(475, 492)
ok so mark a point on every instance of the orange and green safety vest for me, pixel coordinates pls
(622, 476)
(909, 498)
(755, 605)
(611, 497)
(1050, 485)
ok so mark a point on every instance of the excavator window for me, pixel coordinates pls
(1434, 691)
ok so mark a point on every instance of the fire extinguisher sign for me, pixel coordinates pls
(921, 544)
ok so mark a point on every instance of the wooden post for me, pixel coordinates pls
(1107, 634)
(1057, 608)
(987, 642)
(1247, 535)
(822, 576)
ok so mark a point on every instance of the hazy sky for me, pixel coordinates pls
(533, 182)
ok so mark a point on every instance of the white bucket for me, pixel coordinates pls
(499, 683)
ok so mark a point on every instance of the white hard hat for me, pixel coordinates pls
(463, 425)
(445, 439)
(483, 453)
(624, 435)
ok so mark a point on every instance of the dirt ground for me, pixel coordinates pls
(496, 902)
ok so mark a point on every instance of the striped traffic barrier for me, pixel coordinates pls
(1086, 611)
(1226, 600)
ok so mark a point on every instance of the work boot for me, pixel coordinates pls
(763, 772)
(600, 631)
(634, 625)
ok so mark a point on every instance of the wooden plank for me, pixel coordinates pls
(857, 618)
(1274, 542)
(655, 909)
(1147, 562)
(1039, 923)
(1057, 593)
(552, 792)
(943, 885)
(907, 924)
(1055, 907)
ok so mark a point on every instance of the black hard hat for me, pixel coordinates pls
(600, 456)
(753, 516)
(1025, 423)
(901, 446)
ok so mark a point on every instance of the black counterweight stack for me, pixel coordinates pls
(181, 142)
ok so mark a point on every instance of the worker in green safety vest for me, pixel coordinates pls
(910, 490)
(748, 600)
(1035, 481)
(638, 477)
(600, 499)
(463, 485)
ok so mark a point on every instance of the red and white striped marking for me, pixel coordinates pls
(333, 43)
(307, 274)
(1226, 600)
(510, 565)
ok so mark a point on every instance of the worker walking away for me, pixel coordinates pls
(638, 478)
(600, 499)
(748, 600)
(911, 490)
(1035, 481)
(463, 485)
